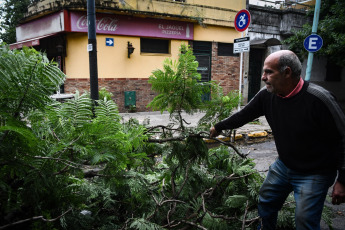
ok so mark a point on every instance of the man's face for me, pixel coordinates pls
(274, 80)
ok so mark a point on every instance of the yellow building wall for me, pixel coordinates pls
(211, 12)
(113, 62)
(228, 4)
(308, 5)
(215, 33)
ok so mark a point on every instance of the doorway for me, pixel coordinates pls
(255, 68)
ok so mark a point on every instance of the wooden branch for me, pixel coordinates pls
(66, 162)
(168, 201)
(193, 224)
(35, 218)
(150, 140)
(61, 171)
(199, 135)
(185, 179)
(54, 134)
(160, 126)
(228, 144)
(244, 216)
(171, 224)
(222, 216)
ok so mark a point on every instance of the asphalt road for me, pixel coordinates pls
(265, 153)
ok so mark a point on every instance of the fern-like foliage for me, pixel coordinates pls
(219, 107)
(48, 149)
(77, 111)
(27, 79)
(178, 85)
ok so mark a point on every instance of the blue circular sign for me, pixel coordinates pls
(242, 20)
(313, 43)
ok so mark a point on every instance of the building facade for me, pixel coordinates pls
(133, 39)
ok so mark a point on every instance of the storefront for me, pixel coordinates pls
(129, 48)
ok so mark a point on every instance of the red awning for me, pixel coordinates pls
(29, 42)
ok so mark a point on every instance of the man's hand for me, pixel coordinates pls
(213, 132)
(338, 194)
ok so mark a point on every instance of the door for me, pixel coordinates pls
(255, 68)
(202, 52)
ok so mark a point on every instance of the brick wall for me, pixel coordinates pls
(225, 70)
(117, 86)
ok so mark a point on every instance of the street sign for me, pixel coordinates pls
(242, 20)
(109, 41)
(241, 45)
(313, 43)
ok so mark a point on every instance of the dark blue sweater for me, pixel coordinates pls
(308, 128)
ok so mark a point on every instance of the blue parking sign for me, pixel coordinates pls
(313, 43)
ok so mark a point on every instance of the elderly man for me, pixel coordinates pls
(309, 132)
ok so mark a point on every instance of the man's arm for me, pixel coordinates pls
(338, 194)
(250, 112)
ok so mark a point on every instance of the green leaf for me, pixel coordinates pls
(236, 201)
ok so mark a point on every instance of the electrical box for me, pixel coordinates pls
(130, 98)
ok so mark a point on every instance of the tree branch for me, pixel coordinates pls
(35, 218)
(185, 179)
(244, 216)
(160, 126)
(181, 138)
(66, 162)
(193, 224)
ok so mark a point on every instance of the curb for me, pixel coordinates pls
(251, 135)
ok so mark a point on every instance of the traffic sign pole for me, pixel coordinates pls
(314, 30)
(240, 85)
(242, 21)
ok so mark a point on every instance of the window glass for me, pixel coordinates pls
(148, 45)
(226, 49)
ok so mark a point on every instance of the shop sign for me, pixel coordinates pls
(131, 26)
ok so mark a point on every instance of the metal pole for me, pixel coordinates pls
(313, 31)
(240, 84)
(92, 48)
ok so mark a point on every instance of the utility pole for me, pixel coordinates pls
(313, 31)
(92, 49)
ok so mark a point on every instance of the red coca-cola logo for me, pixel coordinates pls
(102, 24)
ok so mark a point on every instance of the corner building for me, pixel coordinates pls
(154, 28)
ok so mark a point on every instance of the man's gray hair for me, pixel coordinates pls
(290, 60)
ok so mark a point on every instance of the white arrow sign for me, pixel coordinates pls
(109, 41)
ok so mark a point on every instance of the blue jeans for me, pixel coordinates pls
(310, 192)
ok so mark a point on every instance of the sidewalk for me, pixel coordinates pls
(252, 130)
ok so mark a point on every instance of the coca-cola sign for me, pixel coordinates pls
(131, 26)
(103, 24)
